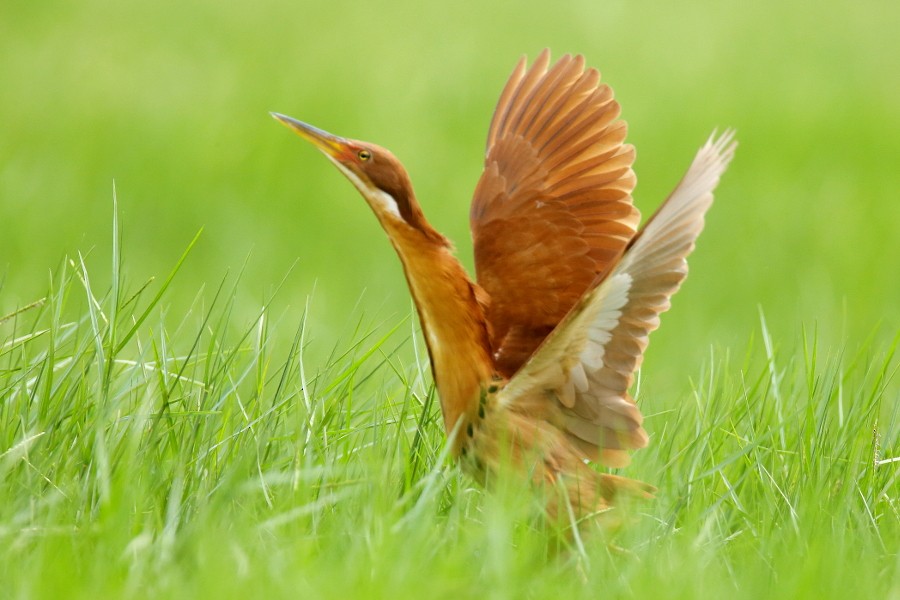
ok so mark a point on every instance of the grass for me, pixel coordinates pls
(147, 454)
(169, 431)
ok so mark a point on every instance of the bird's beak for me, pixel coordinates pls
(332, 145)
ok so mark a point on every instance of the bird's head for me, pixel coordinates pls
(376, 173)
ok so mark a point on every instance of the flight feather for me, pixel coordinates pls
(587, 364)
(553, 207)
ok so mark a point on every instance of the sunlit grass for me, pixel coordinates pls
(144, 454)
(209, 427)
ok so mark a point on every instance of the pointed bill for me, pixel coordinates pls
(332, 145)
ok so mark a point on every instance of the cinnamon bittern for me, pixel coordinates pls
(533, 363)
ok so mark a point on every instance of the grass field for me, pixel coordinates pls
(248, 412)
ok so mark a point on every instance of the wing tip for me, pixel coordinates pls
(708, 165)
(543, 56)
(722, 145)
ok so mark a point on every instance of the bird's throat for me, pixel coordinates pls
(452, 320)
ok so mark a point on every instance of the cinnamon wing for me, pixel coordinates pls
(553, 207)
(588, 362)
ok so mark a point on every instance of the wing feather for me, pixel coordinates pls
(504, 104)
(553, 207)
(588, 362)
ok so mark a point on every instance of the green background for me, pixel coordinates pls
(170, 101)
(250, 477)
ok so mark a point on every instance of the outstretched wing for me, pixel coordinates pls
(553, 207)
(588, 362)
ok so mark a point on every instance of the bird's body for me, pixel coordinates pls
(533, 363)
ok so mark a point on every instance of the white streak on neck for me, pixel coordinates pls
(379, 197)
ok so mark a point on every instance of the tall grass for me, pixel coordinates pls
(148, 454)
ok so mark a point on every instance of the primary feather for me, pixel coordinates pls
(553, 207)
(588, 362)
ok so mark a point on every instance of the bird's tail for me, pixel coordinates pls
(539, 454)
(577, 491)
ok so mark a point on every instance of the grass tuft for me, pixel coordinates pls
(208, 458)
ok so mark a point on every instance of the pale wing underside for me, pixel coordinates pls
(553, 207)
(587, 364)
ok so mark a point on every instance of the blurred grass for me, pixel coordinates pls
(233, 450)
(139, 461)
(170, 100)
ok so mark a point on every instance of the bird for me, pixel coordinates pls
(534, 359)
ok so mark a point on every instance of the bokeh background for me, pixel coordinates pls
(170, 101)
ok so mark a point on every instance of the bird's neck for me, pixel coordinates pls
(453, 321)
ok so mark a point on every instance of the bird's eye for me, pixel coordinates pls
(364, 155)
